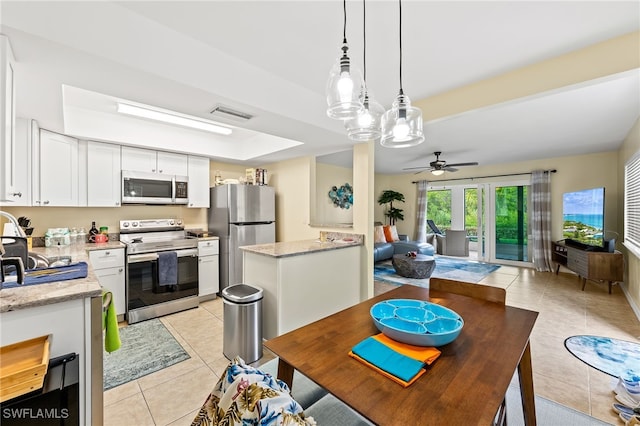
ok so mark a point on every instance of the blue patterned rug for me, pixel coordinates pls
(146, 347)
(446, 267)
(617, 358)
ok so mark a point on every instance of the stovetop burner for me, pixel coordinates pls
(153, 235)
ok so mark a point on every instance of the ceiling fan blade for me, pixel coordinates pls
(416, 168)
(462, 164)
(450, 169)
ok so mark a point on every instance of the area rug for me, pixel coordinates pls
(147, 347)
(617, 358)
(446, 267)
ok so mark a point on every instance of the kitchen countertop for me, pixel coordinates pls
(297, 248)
(23, 297)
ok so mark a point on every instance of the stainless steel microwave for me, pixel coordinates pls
(154, 188)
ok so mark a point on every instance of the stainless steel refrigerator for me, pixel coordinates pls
(241, 215)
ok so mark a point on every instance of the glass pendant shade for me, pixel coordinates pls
(437, 172)
(402, 124)
(366, 125)
(343, 89)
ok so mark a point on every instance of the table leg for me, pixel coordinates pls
(285, 373)
(525, 374)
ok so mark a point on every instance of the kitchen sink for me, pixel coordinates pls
(38, 261)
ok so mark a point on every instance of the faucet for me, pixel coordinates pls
(14, 221)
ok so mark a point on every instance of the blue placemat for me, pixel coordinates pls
(60, 273)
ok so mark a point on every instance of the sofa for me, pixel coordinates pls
(386, 250)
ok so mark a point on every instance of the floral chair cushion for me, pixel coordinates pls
(245, 395)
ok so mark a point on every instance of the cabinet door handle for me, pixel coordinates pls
(37, 201)
(117, 203)
(160, 171)
(46, 202)
(17, 194)
(153, 170)
(120, 270)
(107, 253)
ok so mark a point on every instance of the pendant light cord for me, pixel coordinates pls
(344, 25)
(364, 38)
(400, 32)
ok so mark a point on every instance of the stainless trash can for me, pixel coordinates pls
(242, 319)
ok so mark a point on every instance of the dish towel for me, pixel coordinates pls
(400, 362)
(167, 268)
(110, 325)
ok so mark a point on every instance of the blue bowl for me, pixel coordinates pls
(382, 310)
(414, 314)
(417, 322)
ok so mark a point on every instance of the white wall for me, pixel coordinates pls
(326, 212)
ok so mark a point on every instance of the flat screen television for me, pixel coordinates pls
(583, 218)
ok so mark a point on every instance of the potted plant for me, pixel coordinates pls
(388, 197)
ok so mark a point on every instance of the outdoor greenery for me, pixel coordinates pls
(507, 207)
(439, 207)
(388, 197)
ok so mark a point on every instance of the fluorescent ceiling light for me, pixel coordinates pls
(172, 118)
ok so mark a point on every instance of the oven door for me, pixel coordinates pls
(142, 279)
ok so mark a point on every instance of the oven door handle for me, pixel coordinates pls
(187, 252)
(138, 258)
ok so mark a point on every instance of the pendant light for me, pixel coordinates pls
(366, 125)
(344, 85)
(402, 124)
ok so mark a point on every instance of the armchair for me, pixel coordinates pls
(453, 243)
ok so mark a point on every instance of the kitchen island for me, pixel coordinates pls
(304, 281)
(71, 312)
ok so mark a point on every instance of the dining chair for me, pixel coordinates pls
(454, 242)
(477, 291)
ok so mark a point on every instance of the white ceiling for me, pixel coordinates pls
(272, 58)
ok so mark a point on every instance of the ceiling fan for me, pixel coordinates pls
(439, 166)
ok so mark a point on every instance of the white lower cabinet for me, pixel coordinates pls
(108, 265)
(208, 268)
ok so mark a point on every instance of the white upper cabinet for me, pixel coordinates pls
(150, 161)
(55, 170)
(8, 191)
(26, 131)
(172, 164)
(198, 182)
(103, 175)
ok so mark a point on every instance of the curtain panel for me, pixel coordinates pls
(541, 219)
(421, 212)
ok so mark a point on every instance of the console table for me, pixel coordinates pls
(589, 265)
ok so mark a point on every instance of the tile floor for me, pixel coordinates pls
(172, 396)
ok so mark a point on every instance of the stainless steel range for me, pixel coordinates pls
(159, 282)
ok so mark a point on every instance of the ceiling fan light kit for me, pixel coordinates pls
(344, 85)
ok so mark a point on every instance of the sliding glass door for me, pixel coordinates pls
(495, 216)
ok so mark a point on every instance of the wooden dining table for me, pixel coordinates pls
(465, 385)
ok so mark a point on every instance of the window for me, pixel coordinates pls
(632, 204)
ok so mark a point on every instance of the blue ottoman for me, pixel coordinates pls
(403, 247)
